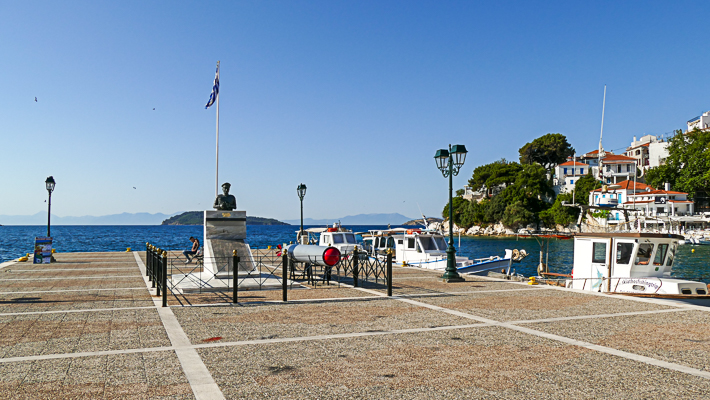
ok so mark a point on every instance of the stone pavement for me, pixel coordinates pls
(89, 327)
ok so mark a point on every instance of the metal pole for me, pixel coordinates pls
(235, 282)
(355, 262)
(389, 272)
(284, 277)
(164, 278)
(49, 213)
(216, 188)
(451, 275)
(157, 271)
(301, 237)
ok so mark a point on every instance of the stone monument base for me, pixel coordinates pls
(225, 231)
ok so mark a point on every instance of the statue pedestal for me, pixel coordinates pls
(225, 231)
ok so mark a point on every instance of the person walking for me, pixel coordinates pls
(193, 251)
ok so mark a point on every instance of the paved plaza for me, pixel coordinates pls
(89, 326)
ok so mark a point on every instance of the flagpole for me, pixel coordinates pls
(216, 187)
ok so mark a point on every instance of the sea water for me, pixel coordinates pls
(692, 262)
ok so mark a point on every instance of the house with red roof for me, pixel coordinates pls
(641, 199)
(616, 168)
(567, 173)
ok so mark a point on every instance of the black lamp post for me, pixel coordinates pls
(49, 183)
(449, 163)
(301, 189)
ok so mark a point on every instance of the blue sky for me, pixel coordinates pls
(351, 98)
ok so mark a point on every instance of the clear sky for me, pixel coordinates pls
(352, 98)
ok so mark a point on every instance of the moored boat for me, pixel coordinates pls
(631, 264)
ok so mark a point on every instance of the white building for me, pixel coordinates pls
(566, 174)
(617, 168)
(700, 122)
(649, 151)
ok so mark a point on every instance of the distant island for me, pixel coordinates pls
(429, 220)
(196, 218)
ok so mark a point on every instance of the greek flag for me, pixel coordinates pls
(215, 88)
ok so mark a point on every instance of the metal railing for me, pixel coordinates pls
(156, 270)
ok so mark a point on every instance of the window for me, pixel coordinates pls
(440, 243)
(623, 252)
(618, 168)
(608, 180)
(337, 238)
(660, 254)
(350, 238)
(628, 167)
(565, 172)
(581, 171)
(644, 254)
(426, 243)
(671, 254)
(599, 253)
(410, 243)
(571, 181)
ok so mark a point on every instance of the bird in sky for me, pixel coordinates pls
(134, 187)
(36, 100)
(153, 108)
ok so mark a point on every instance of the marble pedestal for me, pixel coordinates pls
(225, 231)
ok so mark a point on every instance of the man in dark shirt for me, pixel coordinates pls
(193, 251)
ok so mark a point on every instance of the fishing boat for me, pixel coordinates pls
(425, 248)
(637, 264)
(336, 236)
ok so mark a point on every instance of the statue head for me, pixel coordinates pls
(225, 188)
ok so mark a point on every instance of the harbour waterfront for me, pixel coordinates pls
(16, 241)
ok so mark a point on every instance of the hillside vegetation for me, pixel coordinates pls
(196, 218)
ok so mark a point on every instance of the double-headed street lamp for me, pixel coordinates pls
(301, 189)
(49, 183)
(449, 163)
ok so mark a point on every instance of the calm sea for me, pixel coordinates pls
(16, 241)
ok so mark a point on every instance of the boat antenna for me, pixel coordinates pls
(426, 225)
(601, 154)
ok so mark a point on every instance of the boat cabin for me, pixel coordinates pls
(628, 262)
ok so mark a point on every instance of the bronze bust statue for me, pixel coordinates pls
(225, 201)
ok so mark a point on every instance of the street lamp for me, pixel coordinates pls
(449, 163)
(49, 183)
(301, 189)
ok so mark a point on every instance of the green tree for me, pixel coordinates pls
(494, 174)
(583, 187)
(687, 167)
(516, 215)
(559, 214)
(547, 150)
(460, 205)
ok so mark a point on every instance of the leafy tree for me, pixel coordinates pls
(687, 167)
(583, 187)
(494, 174)
(559, 214)
(459, 209)
(516, 215)
(547, 150)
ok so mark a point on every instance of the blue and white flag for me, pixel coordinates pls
(215, 88)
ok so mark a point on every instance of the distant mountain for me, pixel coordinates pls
(197, 218)
(114, 219)
(360, 219)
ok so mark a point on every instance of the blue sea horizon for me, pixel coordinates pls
(17, 240)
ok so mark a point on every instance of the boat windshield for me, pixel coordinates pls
(337, 238)
(623, 252)
(644, 254)
(660, 254)
(671, 254)
(350, 238)
(427, 243)
(440, 243)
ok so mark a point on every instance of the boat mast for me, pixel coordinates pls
(601, 153)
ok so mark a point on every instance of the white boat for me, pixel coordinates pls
(425, 248)
(336, 236)
(630, 263)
